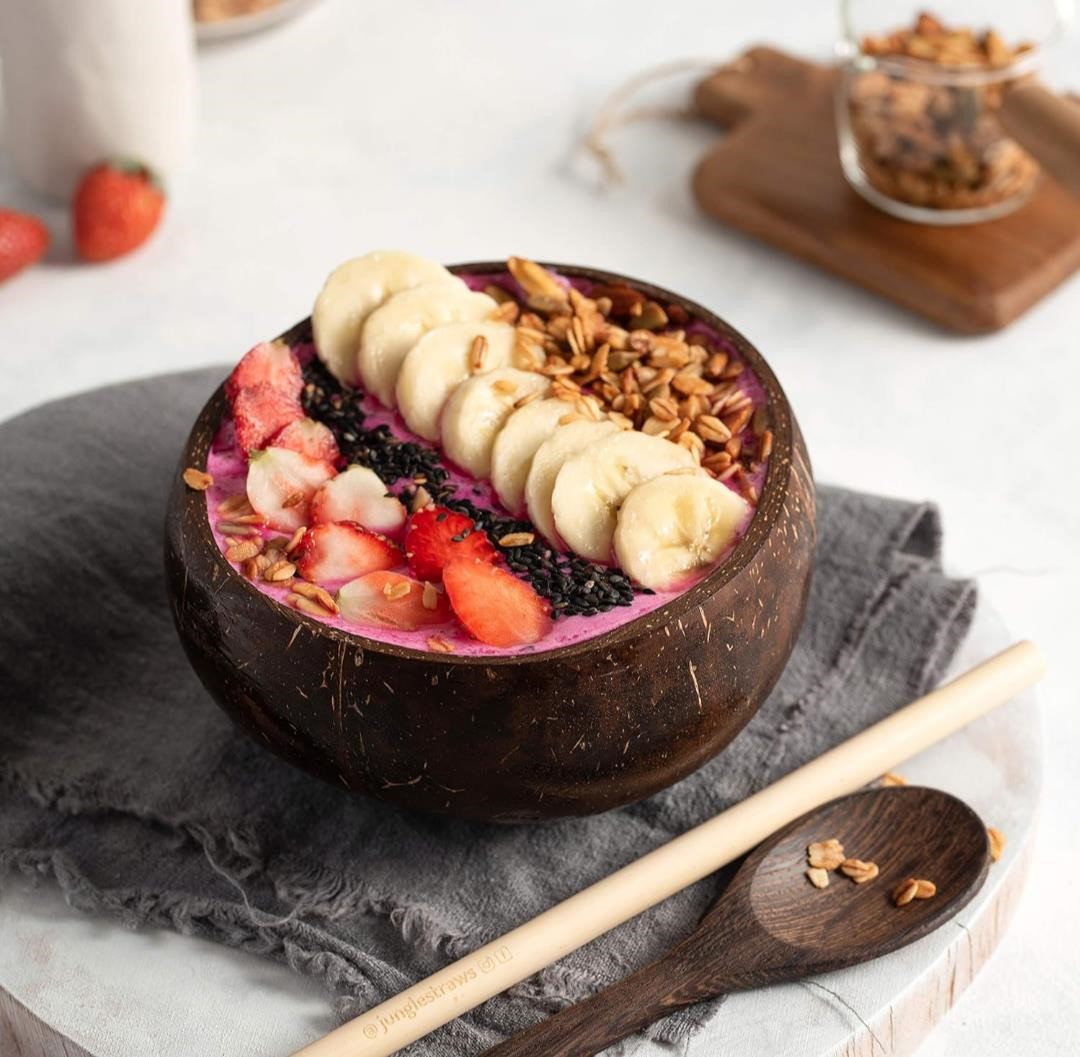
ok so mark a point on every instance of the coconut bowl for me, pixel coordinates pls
(569, 731)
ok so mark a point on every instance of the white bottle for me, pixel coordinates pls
(88, 80)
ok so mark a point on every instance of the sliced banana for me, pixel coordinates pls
(477, 410)
(352, 292)
(675, 524)
(396, 326)
(512, 454)
(592, 485)
(566, 442)
(440, 361)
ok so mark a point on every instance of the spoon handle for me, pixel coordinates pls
(640, 999)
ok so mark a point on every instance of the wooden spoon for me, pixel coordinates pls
(770, 925)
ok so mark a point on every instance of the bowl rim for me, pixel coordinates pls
(774, 492)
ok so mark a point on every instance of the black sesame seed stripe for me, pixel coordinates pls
(574, 586)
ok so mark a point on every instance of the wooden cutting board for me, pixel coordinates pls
(777, 176)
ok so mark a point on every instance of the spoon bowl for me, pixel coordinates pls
(770, 925)
(907, 832)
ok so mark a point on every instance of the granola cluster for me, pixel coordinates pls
(935, 145)
(617, 354)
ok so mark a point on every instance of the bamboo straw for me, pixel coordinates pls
(506, 961)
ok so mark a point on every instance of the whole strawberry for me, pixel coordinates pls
(23, 240)
(117, 205)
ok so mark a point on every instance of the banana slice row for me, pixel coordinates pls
(417, 338)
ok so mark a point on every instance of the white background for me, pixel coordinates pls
(450, 129)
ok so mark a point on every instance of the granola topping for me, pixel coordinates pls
(928, 142)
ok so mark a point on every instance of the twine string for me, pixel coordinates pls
(615, 113)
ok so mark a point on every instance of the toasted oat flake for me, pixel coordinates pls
(292, 500)
(279, 571)
(306, 605)
(826, 854)
(395, 591)
(710, 428)
(537, 282)
(891, 779)
(197, 480)
(430, 597)
(925, 889)
(477, 352)
(250, 568)
(516, 539)
(439, 645)
(860, 872)
(294, 541)
(240, 552)
(905, 892)
(818, 877)
(314, 593)
(507, 312)
(997, 842)
(504, 386)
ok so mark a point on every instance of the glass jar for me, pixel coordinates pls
(917, 101)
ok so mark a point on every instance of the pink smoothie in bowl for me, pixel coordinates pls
(586, 598)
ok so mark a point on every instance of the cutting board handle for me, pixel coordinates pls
(754, 83)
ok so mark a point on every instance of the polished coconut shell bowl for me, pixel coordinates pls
(569, 731)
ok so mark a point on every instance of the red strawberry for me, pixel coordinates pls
(117, 206)
(268, 363)
(358, 494)
(23, 240)
(494, 605)
(308, 437)
(280, 484)
(437, 535)
(344, 550)
(260, 412)
(393, 600)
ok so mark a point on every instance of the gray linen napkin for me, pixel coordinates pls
(120, 779)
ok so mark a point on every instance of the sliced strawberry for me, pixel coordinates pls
(261, 412)
(342, 551)
(308, 437)
(494, 605)
(436, 536)
(270, 363)
(280, 484)
(358, 494)
(392, 600)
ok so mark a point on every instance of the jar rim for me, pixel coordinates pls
(928, 71)
(849, 49)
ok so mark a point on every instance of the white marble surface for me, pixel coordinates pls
(63, 964)
(449, 129)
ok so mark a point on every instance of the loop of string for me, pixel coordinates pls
(613, 113)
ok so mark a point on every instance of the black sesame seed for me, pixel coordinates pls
(572, 585)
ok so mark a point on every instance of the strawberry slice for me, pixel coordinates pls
(494, 605)
(344, 550)
(280, 484)
(358, 494)
(392, 600)
(261, 412)
(308, 437)
(270, 363)
(436, 536)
